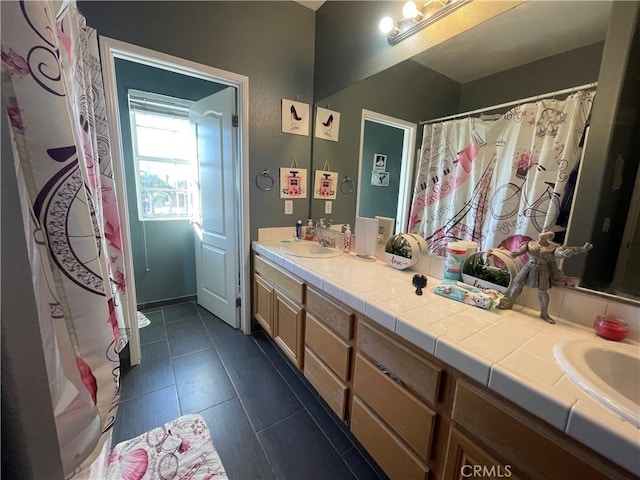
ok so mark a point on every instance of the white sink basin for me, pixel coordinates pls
(309, 249)
(609, 372)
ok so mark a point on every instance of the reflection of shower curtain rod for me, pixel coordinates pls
(509, 104)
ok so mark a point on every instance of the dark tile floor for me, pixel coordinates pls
(265, 419)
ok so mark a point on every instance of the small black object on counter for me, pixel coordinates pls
(419, 281)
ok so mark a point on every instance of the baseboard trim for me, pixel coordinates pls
(166, 302)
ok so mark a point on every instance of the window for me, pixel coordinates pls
(164, 155)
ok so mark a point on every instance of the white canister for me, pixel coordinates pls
(472, 247)
(456, 253)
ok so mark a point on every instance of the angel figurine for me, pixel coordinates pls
(540, 271)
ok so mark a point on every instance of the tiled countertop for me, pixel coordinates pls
(509, 351)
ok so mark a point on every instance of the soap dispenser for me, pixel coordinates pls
(310, 232)
(346, 242)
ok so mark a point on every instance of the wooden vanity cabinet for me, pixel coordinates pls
(278, 305)
(496, 429)
(328, 349)
(416, 416)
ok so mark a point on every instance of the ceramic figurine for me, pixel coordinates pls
(540, 271)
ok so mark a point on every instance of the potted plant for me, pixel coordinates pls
(399, 251)
(480, 272)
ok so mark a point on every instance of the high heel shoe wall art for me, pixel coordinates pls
(327, 124)
(295, 117)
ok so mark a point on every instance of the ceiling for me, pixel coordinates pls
(531, 31)
(312, 4)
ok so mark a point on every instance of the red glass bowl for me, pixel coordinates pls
(611, 328)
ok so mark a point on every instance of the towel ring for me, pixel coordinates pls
(265, 181)
(346, 186)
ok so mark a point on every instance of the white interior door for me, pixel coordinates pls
(215, 222)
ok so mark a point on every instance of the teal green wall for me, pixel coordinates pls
(408, 91)
(384, 140)
(170, 250)
(271, 42)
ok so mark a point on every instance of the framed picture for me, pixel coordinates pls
(379, 162)
(325, 185)
(327, 124)
(379, 179)
(293, 182)
(295, 117)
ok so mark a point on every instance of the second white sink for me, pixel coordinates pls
(609, 372)
(309, 249)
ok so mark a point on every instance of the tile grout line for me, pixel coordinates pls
(324, 408)
(244, 409)
(304, 406)
(175, 385)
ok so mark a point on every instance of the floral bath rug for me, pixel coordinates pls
(180, 449)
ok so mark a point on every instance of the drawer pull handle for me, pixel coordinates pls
(389, 374)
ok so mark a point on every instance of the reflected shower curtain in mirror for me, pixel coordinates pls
(499, 182)
(55, 103)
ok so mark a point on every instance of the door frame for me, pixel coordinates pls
(110, 49)
(406, 169)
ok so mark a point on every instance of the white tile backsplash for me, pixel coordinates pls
(556, 299)
(628, 313)
(436, 267)
(582, 308)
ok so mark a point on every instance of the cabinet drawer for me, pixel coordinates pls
(336, 317)
(505, 431)
(404, 413)
(413, 371)
(293, 287)
(328, 346)
(325, 382)
(386, 449)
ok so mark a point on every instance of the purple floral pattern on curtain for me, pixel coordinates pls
(55, 104)
(498, 182)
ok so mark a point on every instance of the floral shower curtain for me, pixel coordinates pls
(53, 85)
(499, 182)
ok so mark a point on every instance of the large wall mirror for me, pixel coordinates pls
(533, 49)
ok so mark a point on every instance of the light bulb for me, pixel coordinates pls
(386, 24)
(409, 10)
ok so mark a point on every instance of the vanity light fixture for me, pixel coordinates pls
(416, 18)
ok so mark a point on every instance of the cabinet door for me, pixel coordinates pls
(263, 304)
(288, 324)
(467, 460)
(527, 443)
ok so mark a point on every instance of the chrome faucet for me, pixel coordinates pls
(322, 233)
